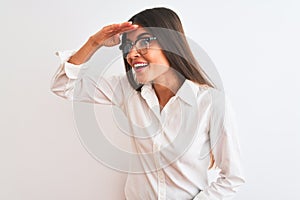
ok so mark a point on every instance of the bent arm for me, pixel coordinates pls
(226, 151)
(85, 52)
(108, 36)
(73, 83)
(71, 80)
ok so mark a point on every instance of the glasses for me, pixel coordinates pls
(141, 45)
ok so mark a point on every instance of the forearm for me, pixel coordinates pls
(107, 36)
(85, 52)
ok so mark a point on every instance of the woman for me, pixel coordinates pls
(191, 127)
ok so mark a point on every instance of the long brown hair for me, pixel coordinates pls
(167, 27)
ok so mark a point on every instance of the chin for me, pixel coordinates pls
(142, 80)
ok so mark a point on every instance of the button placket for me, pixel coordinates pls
(150, 97)
(161, 185)
(152, 102)
(160, 174)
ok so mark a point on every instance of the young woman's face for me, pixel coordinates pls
(148, 66)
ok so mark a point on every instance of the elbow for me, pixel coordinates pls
(240, 181)
(236, 182)
(58, 91)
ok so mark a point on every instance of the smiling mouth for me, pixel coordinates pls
(140, 66)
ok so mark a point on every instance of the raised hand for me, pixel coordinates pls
(107, 36)
(110, 35)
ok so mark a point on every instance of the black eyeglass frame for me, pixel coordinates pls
(148, 39)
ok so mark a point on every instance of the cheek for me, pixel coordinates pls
(159, 67)
(157, 57)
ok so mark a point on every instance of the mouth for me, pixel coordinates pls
(140, 66)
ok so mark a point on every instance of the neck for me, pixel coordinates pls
(166, 87)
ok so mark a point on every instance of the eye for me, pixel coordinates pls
(126, 48)
(143, 43)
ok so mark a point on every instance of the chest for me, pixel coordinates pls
(176, 122)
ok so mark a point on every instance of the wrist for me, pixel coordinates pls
(94, 43)
(85, 52)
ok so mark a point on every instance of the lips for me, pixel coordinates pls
(139, 66)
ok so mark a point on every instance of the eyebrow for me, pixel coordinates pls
(140, 36)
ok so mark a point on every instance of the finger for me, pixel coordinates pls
(116, 27)
(128, 29)
(125, 24)
(120, 28)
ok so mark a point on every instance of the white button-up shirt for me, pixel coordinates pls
(173, 144)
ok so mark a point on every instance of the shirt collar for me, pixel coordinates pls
(187, 92)
(146, 89)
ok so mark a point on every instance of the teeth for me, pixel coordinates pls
(138, 65)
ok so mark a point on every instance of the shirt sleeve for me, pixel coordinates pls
(72, 82)
(226, 151)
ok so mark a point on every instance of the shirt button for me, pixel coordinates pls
(156, 147)
(160, 177)
(162, 196)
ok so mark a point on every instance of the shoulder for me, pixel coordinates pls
(208, 94)
(116, 80)
(115, 83)
(200, 89)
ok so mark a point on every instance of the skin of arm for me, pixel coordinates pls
(108, 36)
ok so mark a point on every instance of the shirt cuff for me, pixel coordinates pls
(72, 71)
(201, 196)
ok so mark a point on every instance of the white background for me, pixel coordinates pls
(254, 45)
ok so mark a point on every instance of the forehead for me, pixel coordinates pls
(133, 35)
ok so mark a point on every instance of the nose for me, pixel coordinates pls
(133, 53)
